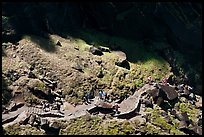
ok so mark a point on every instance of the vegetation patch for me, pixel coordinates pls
(16, 129)
(142, 62)
(118, 128)
(187, 107)
(158, 120)
(84, 125)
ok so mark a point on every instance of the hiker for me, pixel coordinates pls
(92, 94)
(149, 79)
(43, 105)
(105, 96)
(127, 95)
(116, 106)
(164, 80)
(108, 97)
(190, 88)
(87, 98)
(58, 106)
(180, 86)
(101, 94)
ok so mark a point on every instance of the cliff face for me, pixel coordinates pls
(177, 23)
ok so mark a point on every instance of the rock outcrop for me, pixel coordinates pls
(95, 51)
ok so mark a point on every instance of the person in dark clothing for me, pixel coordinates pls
(116, 106)
(105, 96)
(87, 98)
(100, 94)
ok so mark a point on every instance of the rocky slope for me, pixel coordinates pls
(179, 24)
(58, 70)
(50, 63)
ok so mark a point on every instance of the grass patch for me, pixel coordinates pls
(82, 45)
(85, 125)
(143, 62)
(159, 121)
(189, 109)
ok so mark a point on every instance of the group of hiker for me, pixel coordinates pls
(87, 97)
(164, 80)
(180, 87)
(102, 96)
(105, 96)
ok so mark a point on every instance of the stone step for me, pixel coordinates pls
(35, 110)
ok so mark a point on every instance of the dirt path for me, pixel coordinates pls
(126, 106)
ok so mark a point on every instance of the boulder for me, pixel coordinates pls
(182, 124)
(148, 103)
(168, 119)
(59, 43)
(182, 116)
(104, 49)
(32, 119)
(173, 112)
(37, 85)
(154, 93)
(37, 119)
(56, 93)
(99, 61)
(47, 109)
(77, 48)
(198, 104)
(122, 60)
(31, 75)
(35, 124)
(159, 101)
(186, 93)
(7, 44)
(54, 124)
(78, 67)
(12, 75)
(15, 106)
(140, 120)
(22, 81)
(57, 99)
(43, 121)
(200, 122)
(169, 91)
(192, 96)
(95, 51)
(183, 99)
(23, 117)
(100, 74)
(197, 130)
(68, 106)
(12, 106)
(92, 109)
